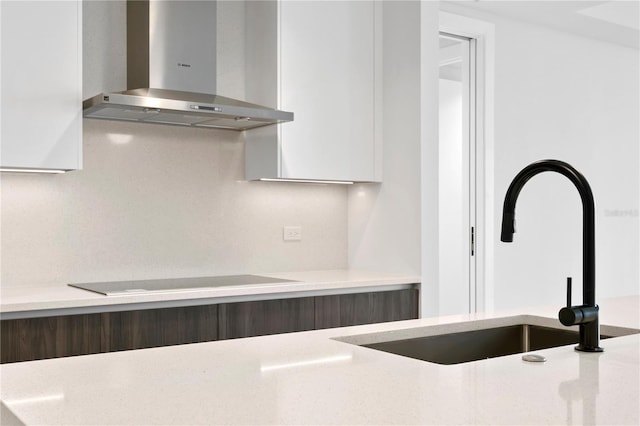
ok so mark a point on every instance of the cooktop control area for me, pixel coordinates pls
(116, 288)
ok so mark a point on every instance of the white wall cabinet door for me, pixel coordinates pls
(41, 85)
(322, 64)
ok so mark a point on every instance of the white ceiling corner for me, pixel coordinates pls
(625, 13)
(614, 21)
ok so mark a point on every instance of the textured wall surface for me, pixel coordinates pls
(161, 201)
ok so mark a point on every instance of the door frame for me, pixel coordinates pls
(482, 293)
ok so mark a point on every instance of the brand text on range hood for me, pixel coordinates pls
(171, 72)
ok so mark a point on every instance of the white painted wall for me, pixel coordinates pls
(384, 225)
(429, 158)
(159, 201)
(567, 97)
(385, 228)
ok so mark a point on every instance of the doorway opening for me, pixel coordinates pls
(466, 264)
(457, 176)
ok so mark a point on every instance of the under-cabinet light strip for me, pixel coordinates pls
(50, 171)
(339, 182)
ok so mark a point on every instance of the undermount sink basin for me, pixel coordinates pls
(456, 348)
(477, 340)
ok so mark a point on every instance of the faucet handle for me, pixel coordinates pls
(570, 315)
(573, 315)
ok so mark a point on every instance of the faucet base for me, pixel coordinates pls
(583, 349)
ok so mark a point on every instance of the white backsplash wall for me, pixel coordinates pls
(157, 201)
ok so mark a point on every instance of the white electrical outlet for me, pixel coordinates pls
(292, 233)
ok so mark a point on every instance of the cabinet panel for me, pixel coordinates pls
(327, 80)
(318, 60)
(158, 327)
(41, 84)
(52, 337)
(259, 318)
(49, 337)
(366, 308)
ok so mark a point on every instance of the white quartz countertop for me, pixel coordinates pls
(310, 378)
(40, 301)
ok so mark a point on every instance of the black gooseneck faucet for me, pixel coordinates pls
(585, 315)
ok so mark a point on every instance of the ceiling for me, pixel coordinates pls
(613, 21)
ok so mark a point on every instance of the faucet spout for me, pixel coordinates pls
(586, 315)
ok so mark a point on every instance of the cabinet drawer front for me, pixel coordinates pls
(259, 318)
(159, 327)
(366, 308)
(50, 337)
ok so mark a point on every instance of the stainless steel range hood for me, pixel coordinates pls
(171, 72)
(181, 108)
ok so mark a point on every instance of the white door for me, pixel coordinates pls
(457, 199)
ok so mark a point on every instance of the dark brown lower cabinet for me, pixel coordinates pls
(159, 327)
(49, 337)
(68, 335)
(263, 317)
(366, 308)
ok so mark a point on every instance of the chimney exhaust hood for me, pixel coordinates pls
(171, 72)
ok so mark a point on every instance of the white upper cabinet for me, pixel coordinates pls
(316, 59)
(41, 96)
